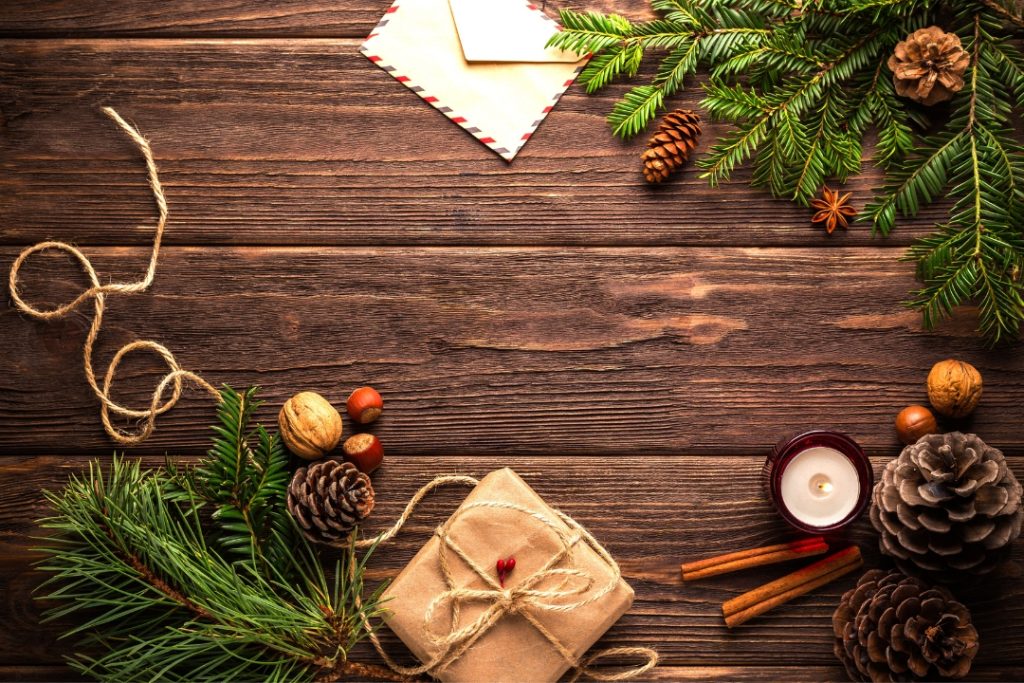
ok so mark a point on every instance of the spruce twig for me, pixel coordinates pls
(804, 83)
(244, 477)
(1004, 12)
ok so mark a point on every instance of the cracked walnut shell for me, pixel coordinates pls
(310, 425)
(954, 388)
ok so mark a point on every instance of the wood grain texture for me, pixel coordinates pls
(305, 142)
(485, 351)
(305, 18)
(329, 229)
(651, 513)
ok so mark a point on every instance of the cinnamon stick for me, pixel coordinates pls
(763, 598)
(753, 557)
(739, 618)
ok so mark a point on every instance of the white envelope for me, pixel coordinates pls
(482, 63)
(500, 31)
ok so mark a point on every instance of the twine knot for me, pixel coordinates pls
(510, 601)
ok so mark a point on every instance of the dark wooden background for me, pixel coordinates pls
(631, 351)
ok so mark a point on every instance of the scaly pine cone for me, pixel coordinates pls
(891, 627)
(328, 499)
(947, 504)
(669, 148)
(929, 65)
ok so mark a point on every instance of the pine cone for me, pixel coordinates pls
(929, 65)
(947, 502)
(328, 499)
(669, 148)
(891, 627)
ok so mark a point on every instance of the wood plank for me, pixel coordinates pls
(485, 351)
(306, 18)
(317, 146)
(651, 512)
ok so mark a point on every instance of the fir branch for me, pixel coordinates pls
(804, 83)
(916, 182)
(245, 477)
(814, 169)
(636, 109)
(794, 99)
(1003, 12)
(975, 256)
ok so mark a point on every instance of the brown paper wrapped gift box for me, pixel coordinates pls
(564, 593)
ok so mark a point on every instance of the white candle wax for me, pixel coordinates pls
(820, 486)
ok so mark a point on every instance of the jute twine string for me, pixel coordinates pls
(175, 376)
(525, 599)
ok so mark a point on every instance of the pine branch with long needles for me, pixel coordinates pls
(803, 84)
(156, 597)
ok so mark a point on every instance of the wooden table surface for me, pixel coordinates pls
(633, 352)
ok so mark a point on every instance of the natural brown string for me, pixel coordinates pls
(97, 292)
(522, 599)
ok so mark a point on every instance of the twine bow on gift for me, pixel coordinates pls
(521, 599)
(527, 598)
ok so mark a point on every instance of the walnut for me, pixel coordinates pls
(310, 426)
(954, 387)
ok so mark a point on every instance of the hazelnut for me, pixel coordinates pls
(954, 388)
(364, 451)
(364, 405)
(913, 422)
(310, 426)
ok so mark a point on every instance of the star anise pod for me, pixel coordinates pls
(832, 210)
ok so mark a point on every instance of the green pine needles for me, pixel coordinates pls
(200, 575)
(803, 83)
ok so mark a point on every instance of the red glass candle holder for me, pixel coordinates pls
(784, 453)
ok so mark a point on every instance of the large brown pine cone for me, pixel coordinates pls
(669, 148)
(891, 627)
(929, 65)
(328, 499)
(947, 504)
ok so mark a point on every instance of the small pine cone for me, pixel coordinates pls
(928, 65)
(891, 627)
(669, 148)
(328, 499)
(948, 505)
